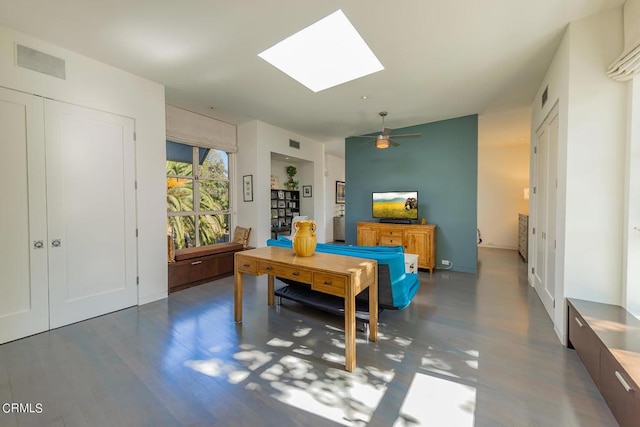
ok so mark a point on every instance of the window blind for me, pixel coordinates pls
(627, 66)
(202, 131)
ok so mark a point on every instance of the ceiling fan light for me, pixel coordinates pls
(382, 143)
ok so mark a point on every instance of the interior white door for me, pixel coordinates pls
(550, 233)
(545, 208)
(24, 301)
(540, 223)
(91, 212)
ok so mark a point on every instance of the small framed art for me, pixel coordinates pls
(340, 193)
(247, 186)
(306, 191)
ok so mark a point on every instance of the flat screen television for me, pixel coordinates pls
(395, 206)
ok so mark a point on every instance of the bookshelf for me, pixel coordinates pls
(285, 204)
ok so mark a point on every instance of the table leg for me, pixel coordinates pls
(237, 297)
(373, 308)
(270, 290)
(350, 330)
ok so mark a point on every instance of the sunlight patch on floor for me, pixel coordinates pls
(436, 402)
(277, 342)
(301, 332)
(347, 398)
(340, 396)
(451, 362)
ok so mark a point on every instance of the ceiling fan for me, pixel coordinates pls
(384, 139)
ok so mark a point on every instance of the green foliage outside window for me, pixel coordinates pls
(200, 204)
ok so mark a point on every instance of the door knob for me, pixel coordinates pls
(56, 243)
(38, 244)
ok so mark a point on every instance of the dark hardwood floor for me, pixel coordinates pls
(471, 350)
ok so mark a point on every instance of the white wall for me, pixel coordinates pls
(334, 171)
(278, 168)
(99, 86)
(595, 161)
(246, 213)
(631, 227)
(503, 174)
(591, 144)
(256, 141)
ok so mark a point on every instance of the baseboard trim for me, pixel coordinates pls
(153, 297)
(492, 246)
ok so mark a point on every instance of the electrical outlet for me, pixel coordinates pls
(446, 262)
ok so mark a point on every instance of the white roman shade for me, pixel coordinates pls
(627, 66)
(195, 129)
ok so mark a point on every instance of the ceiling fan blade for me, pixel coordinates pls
(407, 135)
(361, 136)
(393, 143)
(386, 131)
(368, 142)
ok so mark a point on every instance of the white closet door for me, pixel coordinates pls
(23, 226)
(91, 212)
(540, 224)
(545, 164)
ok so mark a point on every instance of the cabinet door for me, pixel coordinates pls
(586, 343)
(367, 236)
(619, 391)
(91, 212)
(418, 242)
(24, 305)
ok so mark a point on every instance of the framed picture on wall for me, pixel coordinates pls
(247, 187)
(306, 191)
(340, 193)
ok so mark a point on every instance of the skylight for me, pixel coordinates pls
(325, 54)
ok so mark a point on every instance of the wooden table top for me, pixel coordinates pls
(319, 261)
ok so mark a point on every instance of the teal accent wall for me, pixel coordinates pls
(442, 165)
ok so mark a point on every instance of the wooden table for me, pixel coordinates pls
(343, 276)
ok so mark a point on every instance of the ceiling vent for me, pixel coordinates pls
(41, 62)
(294, 144)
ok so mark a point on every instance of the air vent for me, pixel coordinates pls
(41, 62)
(294, 144)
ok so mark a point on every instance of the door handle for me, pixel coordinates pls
(196, 262)
(579, 322)
(624, 383)
(56, 243)
(38, 244)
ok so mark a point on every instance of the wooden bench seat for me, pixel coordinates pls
(201, 251)
(195, 266)
(607, 339)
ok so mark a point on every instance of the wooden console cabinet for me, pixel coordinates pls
(607, 339)
(416, 239)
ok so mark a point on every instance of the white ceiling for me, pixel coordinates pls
(442, 58)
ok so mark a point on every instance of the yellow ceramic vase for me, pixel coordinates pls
(304, 239)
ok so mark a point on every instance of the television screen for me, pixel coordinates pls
(395, 205)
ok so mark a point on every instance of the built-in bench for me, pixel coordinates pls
(194, 266)
(607, 339)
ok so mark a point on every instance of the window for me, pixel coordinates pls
(198, 202)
